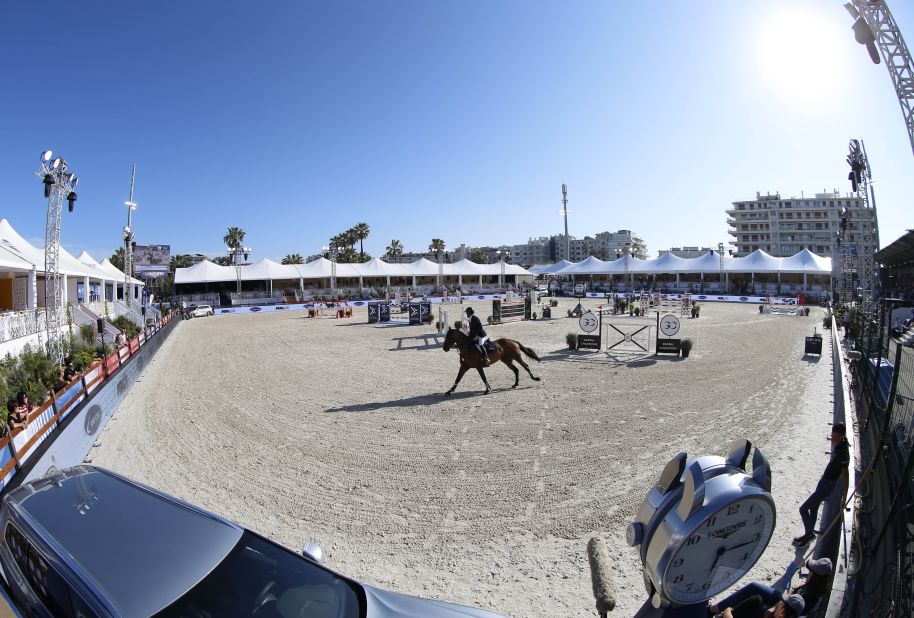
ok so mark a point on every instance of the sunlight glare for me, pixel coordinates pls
(799, 55)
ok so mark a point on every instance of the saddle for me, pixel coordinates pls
(490, 346)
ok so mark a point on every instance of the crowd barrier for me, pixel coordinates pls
(21, 448)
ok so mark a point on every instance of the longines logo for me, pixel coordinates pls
(93, 420)
(728, 530)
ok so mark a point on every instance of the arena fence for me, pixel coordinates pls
(20, 446)
(882, 383)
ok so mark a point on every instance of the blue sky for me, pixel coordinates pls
(458, 120)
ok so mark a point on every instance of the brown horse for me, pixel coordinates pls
(506, 351)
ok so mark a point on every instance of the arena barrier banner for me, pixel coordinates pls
(81, 423)
(92, 376)
(262, 309)
(69, 399)
(762, 300)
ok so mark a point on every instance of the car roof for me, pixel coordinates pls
(139, 548)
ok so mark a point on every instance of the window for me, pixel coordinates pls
(50, 588)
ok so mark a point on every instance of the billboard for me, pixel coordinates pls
(151, 261)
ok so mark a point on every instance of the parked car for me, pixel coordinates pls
(89, 542)
(201, 311)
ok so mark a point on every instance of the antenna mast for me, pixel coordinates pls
(565, 213)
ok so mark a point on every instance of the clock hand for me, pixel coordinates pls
(738, 546)
(720, 552)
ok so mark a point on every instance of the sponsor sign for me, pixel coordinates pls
(668, 346)
(588, 342)
(588, 322)
(813, 345)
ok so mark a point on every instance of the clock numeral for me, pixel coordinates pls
(677, 562)
(712, 521)
(706, 585)
(689, 587)
(733, 510)
(693, 539)
(678, 578)
(751, 507)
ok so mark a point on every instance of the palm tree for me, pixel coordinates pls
(234, 238)
(222, 260)
(293, 258)
(394, 249)
(117, 259)
(437, 246)
(349, 237)
(181, 260)
(361, 232)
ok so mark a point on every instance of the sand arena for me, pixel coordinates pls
(337, 430)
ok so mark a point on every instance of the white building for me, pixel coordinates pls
(785, 226)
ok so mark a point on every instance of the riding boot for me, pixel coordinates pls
(485, 355)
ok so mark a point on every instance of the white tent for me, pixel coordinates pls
(266, 270)
(756, 262)
(422, 268)
(806, 262)
(707, 263)
(666, 263)
(465, 267)
(589, 266)
(116, 272)
(377, 267)
(30, 256)
(203, 272)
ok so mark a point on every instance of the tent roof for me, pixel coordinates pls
(117, 273)
(204, 272)
(707, 263)
(377, 267)
(466, 267)
(899, 252)
(806, 262)
(96, 272)
(422, 268)
(16, 254)
(666, 263)
(266, 270)
(756, 262)
(590, 266)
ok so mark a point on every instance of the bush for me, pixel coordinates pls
(82, 360)
(637, 311)
(806, 311)
(123, 324)
(761, 308)
(686, 346)
(696, 310)
(572, 340)
(826, 322)
(490, 320)
(102, 350)
(534, 315)
(439, 325)
(87, 333)
(31, 371)
(569, 313)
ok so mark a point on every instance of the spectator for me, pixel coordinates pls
(812, 590)
(120, 340)
(69, 372)
(22, 399)
(789, 606)
(835, 471)
(15, 418)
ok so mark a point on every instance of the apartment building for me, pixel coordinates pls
(785, 226)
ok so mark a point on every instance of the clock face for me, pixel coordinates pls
(719, 551)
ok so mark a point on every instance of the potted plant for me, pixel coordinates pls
(637, 311)
(696, 310)
(806, 311)
(490, 320)
(572, 340)
(569, 313)
(685, 347)
(534, 315)
(761, 308)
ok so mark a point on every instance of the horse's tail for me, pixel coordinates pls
(528, 351)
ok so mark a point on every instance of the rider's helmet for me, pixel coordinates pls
(469, 311)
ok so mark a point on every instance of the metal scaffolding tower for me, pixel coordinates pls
(129, 241)
(58, 180)
(876, 26)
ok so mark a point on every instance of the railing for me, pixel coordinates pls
(198, 299)
(15, 324)
(20, 444)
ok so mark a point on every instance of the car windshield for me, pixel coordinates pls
(258, 578)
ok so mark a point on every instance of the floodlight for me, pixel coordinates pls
(46, 156)
(56, 163)
(70, 177)
(131, 204)
(71, 199)
(75, 181)
(852, 10)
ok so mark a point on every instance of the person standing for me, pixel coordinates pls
(835, 472)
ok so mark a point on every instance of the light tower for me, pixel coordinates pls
(57, 180)
(129, 242)
(565, 214)
(867, 241)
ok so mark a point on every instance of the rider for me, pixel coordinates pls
(478, 335)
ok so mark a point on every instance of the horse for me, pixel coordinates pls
(506, 351)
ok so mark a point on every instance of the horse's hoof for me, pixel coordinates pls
(447, 393)
(537, 379)
(515, 386)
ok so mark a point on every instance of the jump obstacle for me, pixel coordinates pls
(791, 306)
(505, 310)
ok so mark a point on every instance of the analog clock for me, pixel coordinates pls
(703, 525)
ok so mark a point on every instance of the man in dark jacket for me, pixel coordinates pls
(835, 472)
(478, 335)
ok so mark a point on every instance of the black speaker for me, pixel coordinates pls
(100, 325)
(144, 311)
